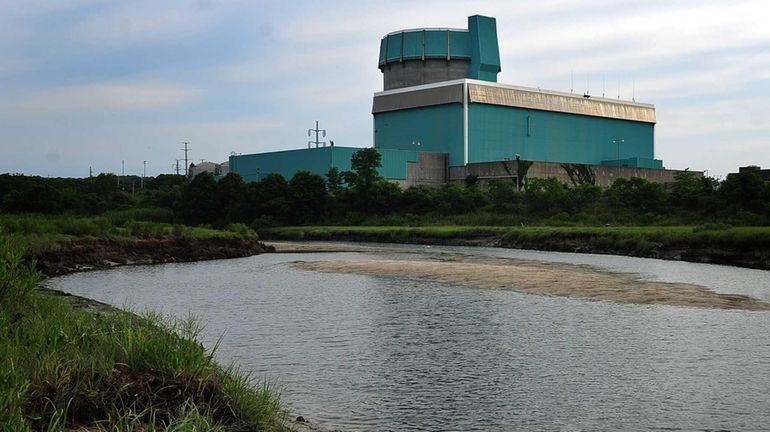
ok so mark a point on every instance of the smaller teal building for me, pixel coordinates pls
(254, 167)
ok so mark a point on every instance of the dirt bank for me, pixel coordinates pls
(318, 247)
(96, 253)
(729, 247)
(545, 278)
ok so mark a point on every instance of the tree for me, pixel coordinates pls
(743, 191)
(418, 199)
(637, 194)
(307, 197)
(198, 203)
(231, 194)
(364, 176)
(274, 197)
(333, 180)
(545, 196)
(503, 195)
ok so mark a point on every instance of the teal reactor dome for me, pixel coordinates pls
(423, 56)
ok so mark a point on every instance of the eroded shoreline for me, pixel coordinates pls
(542, 278)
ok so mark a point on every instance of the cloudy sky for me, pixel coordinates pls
(93, 82)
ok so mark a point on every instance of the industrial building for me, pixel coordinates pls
(442, 116)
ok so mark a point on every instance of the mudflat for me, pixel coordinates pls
(543, 278)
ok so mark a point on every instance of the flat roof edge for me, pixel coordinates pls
(511, 87)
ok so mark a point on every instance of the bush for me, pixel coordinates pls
(711, 226)
(146, 229)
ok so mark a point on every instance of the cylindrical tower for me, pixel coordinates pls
(428, 55)
(424, 56)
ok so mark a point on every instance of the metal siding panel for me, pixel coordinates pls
(562, 103)
(460, 44)
(435, 44)
(394, 163)
(437, 128)
(498, 132)
(394, 47)
(485, 63)
(383, 54)
(254, 167)
(413, 45)
(418, 98)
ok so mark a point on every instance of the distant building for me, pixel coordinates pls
(216, 169)
(442, 116)
(764, 173)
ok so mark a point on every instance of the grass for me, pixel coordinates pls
(382, 233)
(39, 234)
(63, 367)
(745, 246)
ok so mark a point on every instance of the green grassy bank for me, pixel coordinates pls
(64, 367)
(63, 244)
(713, 243)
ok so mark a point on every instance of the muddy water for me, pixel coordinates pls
(410, 352)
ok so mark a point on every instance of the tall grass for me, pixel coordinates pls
(63, 368)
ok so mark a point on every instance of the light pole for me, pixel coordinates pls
(518, 160)
(617, 143)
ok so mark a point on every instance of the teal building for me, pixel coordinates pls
(456, 106)
(441, 98)
(254, 167)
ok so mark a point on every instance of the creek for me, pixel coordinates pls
(363, 353)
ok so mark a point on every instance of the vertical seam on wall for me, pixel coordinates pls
(423, 45)
(465, 122)
(448, 47)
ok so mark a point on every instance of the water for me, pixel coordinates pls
(363, 353)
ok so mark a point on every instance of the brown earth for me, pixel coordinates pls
(544, 278)
(83, 254)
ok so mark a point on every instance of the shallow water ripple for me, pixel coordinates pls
(364, 353)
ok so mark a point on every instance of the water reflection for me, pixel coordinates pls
(362, 353)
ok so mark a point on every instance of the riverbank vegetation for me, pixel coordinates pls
(362, 197)
(97, 368)
(633, 216)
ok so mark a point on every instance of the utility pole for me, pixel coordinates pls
(186, 165)
(316, 130)
(177, 166)
(90, 172)
(144, 173)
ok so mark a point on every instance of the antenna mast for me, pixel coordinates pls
(316, 130)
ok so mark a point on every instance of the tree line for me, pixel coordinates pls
(361, 195)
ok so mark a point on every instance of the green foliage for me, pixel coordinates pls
(198, 202)
(63, 368)
(307, 197)
(334, 181)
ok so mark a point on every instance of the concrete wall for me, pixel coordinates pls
(417, 72)
(429, 169)
(605, 175)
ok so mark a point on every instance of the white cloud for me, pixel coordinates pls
(147, 21)
(121, 96)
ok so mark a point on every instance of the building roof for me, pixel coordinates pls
(514, 96)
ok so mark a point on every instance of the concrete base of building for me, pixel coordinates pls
(570, 174)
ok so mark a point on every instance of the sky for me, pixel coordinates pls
(93, 84)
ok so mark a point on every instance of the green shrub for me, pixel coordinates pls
(711, 226)
(146, 229)
(240, 228)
